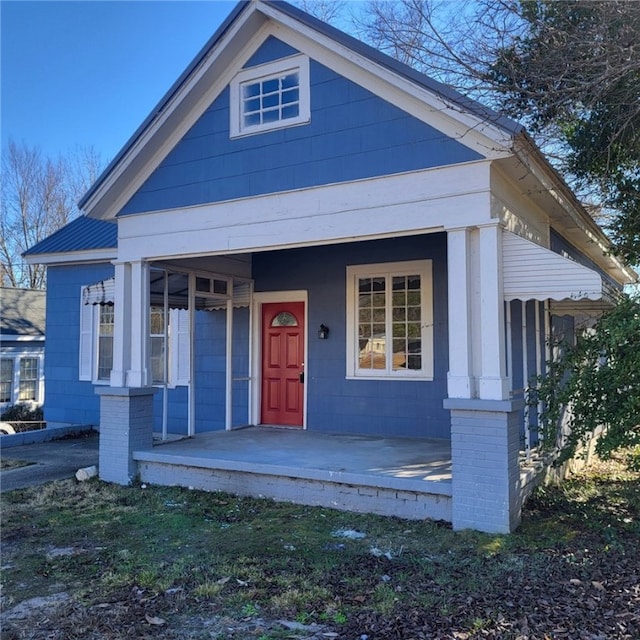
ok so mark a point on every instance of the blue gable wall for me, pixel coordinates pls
(67, 399)
(353, 134)
(376, 407)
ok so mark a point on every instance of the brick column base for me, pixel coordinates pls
(485, 445)
(126, 424)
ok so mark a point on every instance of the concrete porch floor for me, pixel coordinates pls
(410, 464)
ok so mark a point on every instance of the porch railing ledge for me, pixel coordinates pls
(438, 487)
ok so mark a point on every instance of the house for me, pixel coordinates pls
(309, 235)
(22, 325)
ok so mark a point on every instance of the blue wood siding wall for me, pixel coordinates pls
(376, 407)
(67, 399)
(518, 382)
(353, 134)
(210, 378)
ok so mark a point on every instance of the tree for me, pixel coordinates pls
(595, 384)
(568, 69)
(39, 196)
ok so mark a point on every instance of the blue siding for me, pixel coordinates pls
(272, 49)
(376, 407)
(68, 399)
(210, 379)
(518, 383)
(353, 134)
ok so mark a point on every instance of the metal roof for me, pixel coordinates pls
(22, 312)
(81, 234)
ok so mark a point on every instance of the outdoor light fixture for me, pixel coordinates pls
(323, 332)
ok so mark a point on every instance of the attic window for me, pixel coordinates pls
(270, 96)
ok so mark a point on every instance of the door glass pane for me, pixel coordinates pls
(284, 319)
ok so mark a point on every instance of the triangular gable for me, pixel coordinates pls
(232, 47)
(352, 135)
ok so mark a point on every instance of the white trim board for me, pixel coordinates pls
(403, 204)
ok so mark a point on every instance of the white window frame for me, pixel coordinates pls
(11, 382)
(388, 270)
(16, 359)
(179, 346)
(298, 64)
(35, 381)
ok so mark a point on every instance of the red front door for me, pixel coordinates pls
(282, 363)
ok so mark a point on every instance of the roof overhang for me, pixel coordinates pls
(532, 272)
(543, 185)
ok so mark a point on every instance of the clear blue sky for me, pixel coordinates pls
(88, 73)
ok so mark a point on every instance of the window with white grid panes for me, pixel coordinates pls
(28, 385)
(270, 96)
(157, 343)
(6, 380)
(389, 318)
(105, 341)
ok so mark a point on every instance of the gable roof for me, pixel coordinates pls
(223, 55)
(23, 312)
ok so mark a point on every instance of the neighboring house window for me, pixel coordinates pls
(390, 320)
(6, 380)
(28, 385)
(270, 96)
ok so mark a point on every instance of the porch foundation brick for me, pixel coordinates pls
(126, 424)
(412, 505)
(485, 444)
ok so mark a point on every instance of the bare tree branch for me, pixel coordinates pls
(39, 196)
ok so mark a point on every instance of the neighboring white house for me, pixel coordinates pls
(307, 233)
(22, 333)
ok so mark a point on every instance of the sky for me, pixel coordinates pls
(87, 73)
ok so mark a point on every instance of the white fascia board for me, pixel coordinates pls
(74, 257)
(404, 204)
(472, 131)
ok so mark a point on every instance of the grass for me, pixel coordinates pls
(7, 464)
(173, 553)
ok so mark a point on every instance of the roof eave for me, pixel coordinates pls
(528, 152)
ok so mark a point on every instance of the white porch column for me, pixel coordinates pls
(493, 383)
(460, 380)
(122, 322)
(138, 374)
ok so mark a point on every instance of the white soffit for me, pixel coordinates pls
(532, 272)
